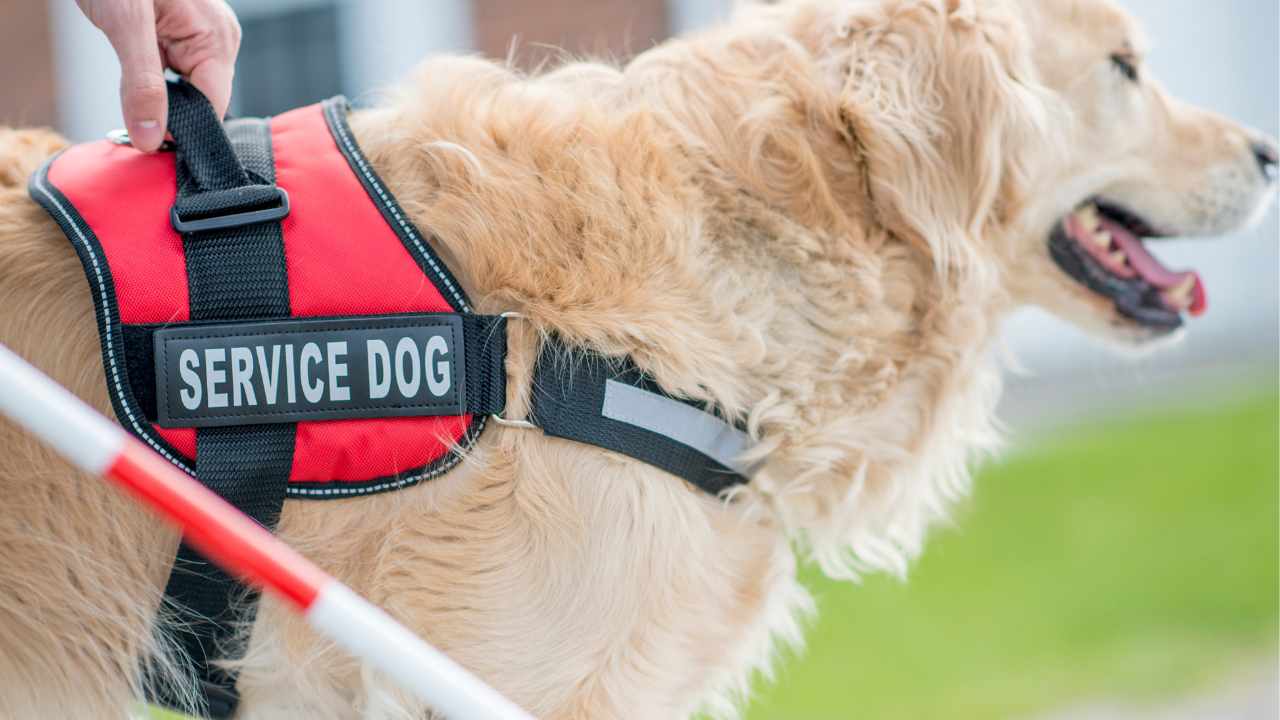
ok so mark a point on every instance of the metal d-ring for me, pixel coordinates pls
(504, 422)
(517, 424)
(120, 136)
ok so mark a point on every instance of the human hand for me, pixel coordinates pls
(198, 39)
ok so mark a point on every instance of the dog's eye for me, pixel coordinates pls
(1127, 66)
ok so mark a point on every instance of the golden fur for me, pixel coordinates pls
(814, 216)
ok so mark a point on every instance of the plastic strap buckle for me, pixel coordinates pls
(234, 219)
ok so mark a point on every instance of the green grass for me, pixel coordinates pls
(1133, 559)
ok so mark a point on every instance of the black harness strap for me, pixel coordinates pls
(610, 403)
(235, 271)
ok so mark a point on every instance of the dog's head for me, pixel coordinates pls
(1140, 166)
(995, 153)
(1030, 136)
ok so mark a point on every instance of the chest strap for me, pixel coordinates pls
(228, 210)
(610, 403)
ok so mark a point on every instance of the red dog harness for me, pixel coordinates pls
(345, 249)
(273, 323)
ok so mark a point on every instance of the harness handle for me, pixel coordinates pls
(217, 192)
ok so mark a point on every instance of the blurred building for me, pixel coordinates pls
(27, 82)
(56, 69)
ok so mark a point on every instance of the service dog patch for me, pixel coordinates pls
(294, 370)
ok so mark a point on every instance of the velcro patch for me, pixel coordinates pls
(294, 370)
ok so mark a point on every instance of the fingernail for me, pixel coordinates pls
(146, 134)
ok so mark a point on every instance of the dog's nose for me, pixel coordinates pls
(1268, 158)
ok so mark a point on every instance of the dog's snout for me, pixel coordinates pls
(1268, 158)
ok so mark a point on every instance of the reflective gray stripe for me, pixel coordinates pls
(673, 419)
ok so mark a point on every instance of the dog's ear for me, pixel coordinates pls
(940, 100)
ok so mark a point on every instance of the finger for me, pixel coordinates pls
(142, 89)
(213, 78)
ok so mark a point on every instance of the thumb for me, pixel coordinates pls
(143, 94)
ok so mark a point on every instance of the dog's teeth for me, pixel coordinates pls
(1182, 291)
(1118, 257)
(1102, 238)
(1088, 217)
(1179, 297)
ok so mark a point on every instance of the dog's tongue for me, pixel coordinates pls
(1152, 271)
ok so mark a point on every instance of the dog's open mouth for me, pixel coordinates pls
(1101, 247)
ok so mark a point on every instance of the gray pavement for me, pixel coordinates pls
(1253, 694)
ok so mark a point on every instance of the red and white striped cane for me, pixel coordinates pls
(241, 546)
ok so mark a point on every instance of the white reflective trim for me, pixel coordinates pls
(683, 423)
(369, 633)
(62, 420)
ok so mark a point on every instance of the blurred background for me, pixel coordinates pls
(1121, 560)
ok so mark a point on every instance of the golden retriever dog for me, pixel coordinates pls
(814, 216)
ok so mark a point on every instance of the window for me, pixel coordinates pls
(288, 58)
